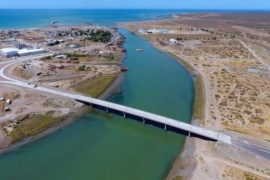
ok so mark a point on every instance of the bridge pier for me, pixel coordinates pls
(165, 127)
(90, 105)
(107, 110)
(143, 121)
(124, 114)
(189, 133)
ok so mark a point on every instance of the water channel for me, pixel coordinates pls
(95, 147)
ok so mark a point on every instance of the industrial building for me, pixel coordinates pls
(9, 52)
(26, 52)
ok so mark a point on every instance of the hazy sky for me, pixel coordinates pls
(138, 4)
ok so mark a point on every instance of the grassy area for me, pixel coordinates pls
(199, 101)
(178, 177)
(69, 55)
(96, 86)
(33, 125)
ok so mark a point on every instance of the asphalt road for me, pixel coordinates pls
(252, 148)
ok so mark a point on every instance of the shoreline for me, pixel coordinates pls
(74, 114)
(185, 157)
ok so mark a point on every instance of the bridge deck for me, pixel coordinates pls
(149, 116)
(157, 118)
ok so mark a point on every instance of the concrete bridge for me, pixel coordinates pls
(145, 116)
(167, 122)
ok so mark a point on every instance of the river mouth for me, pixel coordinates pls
(98, 147)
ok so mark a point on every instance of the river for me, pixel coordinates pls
(95, 147)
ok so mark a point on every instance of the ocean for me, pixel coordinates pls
(23, 18)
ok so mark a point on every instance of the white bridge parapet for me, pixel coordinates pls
(157, 118)
(139, 113)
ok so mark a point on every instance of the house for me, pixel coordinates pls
(8, 101)
(73, 46)
(174, 41)
(61, 56)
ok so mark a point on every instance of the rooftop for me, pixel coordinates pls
(6, 50)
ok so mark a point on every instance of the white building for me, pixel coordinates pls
(9, 51)
(26, 52)
(174, 41)
(157, 31)
(142, 31)
(8, 40)
(73, 46)
(61, 56)
(8, 101)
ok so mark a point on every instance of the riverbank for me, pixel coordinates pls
(185, 162)
(222, 101)
(90, 67)
(185, 159)
(74, 113)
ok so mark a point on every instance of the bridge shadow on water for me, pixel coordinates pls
(149, 122)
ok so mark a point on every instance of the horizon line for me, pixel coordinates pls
(186, 9)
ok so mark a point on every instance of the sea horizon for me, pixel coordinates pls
(39, 18)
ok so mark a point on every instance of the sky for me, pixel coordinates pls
(136, 4)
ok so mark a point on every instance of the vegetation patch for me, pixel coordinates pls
(96, 86)
(249, 176)
(74, 55)
(198, 103)
(99, 36)
(178, 177)
(256, 120)
(237, 115)
(33, 125)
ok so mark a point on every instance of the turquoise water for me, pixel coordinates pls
(95, 147)
(43, 18)
(21, 18)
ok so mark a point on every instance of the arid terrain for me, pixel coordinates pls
(229, 56)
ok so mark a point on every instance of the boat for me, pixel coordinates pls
(139, 49)
(124, 68)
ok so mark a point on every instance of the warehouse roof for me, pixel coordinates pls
(7, 50)
(30, 50)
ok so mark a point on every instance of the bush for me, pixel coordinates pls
(256, 120)
(82, 68)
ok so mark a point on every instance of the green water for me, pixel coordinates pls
(98, 148)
